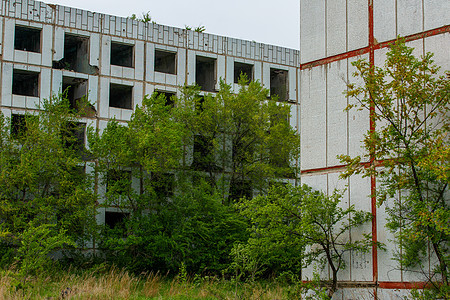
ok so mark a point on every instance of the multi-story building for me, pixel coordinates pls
(115, 61)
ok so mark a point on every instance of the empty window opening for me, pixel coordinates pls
(203, 156)
(120, 96)
(25, 83)
(279, 84)
(118, 182)
(122, 55)
(205, 73)
(242, 69)
(20, 124)
(27, 39)
(76, 90)
(76, 55)
(73, 136)
(116, 220)
(165, 62)
(239, 189)
(168, 97)
(163, 184)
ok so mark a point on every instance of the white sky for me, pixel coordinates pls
(265, 21)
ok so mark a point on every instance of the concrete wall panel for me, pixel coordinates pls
(313, 118)
(336, 27)
(6, 78)
(312, 30)
(8, 39)
(436, 13)
(337, 142)
(358, 121)
(410, 17)
(439, 46)
(359, 190)
(385, 27)
(357, 24)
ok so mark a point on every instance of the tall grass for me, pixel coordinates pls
(118, 284)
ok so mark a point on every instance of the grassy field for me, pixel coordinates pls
(117, 284)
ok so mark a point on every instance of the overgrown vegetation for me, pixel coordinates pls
(409, 151)
(196, 187)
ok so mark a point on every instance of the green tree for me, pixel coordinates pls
(242, 134)
(170, 168)
(310, 223)
(44, 189)
(409, 152)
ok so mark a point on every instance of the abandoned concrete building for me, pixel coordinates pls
(116, 61)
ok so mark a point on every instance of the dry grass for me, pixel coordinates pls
(119, 284)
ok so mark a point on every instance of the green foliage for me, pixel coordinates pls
(296, 226)
(46, 199)
(146, 18)
(35, 246)
(172, 193)
(410, 152)
(200, 28)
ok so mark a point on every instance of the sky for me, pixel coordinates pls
(264, 21)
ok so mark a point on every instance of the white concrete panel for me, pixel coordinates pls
(1, 30)
(32, 102)
(359, 189)
(418, 47)
(117, 71)
(94, 49)
(138, 94)
(313, 118)
(6, 78)
(93, 91)
(105, 55)
(139, 65)
(171, 79)
(439, 45)
(58, 47)
(19, 101)
(8, 39)
(230, 70)
(45, 83)
(128, 73)
(181, 67)
(190, 67)
(34, 58)
(384, 20)
(159, 77)
(436, 13)
(266, 75)
(410, 16)
(357, 24)
(115, 113)
(47, 44)
(337, 139)
(340, 185)
(150, 62)
(393, 294)
(317, 182)
(336, 27)
(312, 30)
(221, 72)
(22, 56)
(257, 71)
(358, 121)
(104, 98)
(292, 84)
(56, 82)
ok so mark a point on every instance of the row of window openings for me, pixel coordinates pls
(76, 49)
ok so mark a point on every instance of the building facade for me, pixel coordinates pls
(115, 61)
(333, 34)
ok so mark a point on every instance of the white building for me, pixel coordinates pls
(116, 61)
